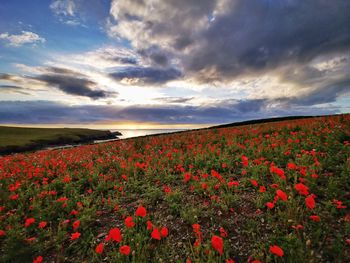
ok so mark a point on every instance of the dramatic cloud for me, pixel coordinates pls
(49, 112)
(13, 89)
(67, 80)
(25, 37)
(103, 58)
(219, 40)
(145, 75)
(174, 99)
(72, 82)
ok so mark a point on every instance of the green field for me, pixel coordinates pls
(14, 139)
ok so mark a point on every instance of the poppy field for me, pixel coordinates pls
(273, 192)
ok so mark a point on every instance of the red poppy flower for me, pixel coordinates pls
(270, 205)
(155, 234)
(282, 195)
(196, 228)
(2, 233)
(297, 227)
(149, 225)
(75, 235)
(99, 248)
(233, 183)
(114, 235)
(276, 250)
(315, 218)
(218, 244)
(291, 166)
(229, 260)
(141, 211)
(164, 232)
(223, 232)
(310, 202)
(124, 250)
(76, 224)
(129, 223)
(42, 224)
(245, 160)
(302, 189)
(38, 259)
(262, 189)
(187, 177)
(29, 221)
(254, 182)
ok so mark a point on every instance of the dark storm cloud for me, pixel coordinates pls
(131, 61)
(258, 35)
(220, 40)
(71, 82)
(325, 94)
(146, 75)
(5, 76)
(155, 56)
(174, 99)
(13, 89)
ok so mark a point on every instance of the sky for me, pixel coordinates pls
(171, 63)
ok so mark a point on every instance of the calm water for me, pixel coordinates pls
(128, 133)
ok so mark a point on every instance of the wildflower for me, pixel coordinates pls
(254, 182)
(149, 225)
(66, 179)
(125, 250)
(167, 189)
(31, 239)
(196, 228)
(262, 189)
(29, 221)
(270, 205)
(2, 233)
(141, 211)
(38, 259)
(76, 224)
(233, 183)
(291, 166)
(315, 218)
(155, 234)
(229, 260)
(99, 248)
(276, 250)
(310, 202)
(297, 227)
(129, 223)
(42, 224)
(75, 235)
(114, 235)
(164, 232)
(282, 195)
(187, 177)
(223, 232)
(217, 243)
(245, 160)
(74, 212)
(302, 189)
(278, 171)
(197, 243)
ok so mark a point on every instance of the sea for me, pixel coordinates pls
(130, 133)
